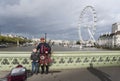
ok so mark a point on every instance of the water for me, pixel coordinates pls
(54, 48)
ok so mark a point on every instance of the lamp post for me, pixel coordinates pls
(45, 37)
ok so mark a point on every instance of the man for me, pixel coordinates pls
(45, 52)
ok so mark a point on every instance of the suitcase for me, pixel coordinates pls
(18, 73)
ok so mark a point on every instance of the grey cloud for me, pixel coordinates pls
(9, 2)
(58, 18)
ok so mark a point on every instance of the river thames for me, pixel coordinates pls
(54, 48)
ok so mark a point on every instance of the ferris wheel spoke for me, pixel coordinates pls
(91, 36)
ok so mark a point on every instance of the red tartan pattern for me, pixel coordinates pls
(46, 59)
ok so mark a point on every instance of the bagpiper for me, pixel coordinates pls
(45, 53)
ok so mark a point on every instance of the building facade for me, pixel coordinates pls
(110, 40)
(115, 27)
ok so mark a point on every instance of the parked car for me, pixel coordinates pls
(3, 46)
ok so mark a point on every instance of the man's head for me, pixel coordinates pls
(42, 40)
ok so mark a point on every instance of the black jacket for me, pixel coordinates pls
(34, 56)
(45, 47)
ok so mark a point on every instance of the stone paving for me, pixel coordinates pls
(65, 75)
(82, 74)
(3, 73)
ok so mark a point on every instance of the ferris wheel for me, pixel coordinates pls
(87, 24)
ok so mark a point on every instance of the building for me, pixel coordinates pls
(36, 39)
(110, 40)
(106, 41)
(117, 39)
(115, 27)
(61, 42)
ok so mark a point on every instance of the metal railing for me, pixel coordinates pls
(63, 60)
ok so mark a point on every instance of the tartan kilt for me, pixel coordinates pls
(45, 59)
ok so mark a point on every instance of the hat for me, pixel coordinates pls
(42, 38)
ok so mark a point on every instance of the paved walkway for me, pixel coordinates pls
(3, 74)
(86, 74)
(65, 75)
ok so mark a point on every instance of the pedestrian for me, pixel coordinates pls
(45, 53)
(35, 61)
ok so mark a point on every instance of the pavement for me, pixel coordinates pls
(81, 74)
(3, 73)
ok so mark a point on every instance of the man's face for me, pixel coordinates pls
(42, 41)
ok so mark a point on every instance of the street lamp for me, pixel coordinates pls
(45, 37)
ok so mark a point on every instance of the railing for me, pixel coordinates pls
(63, 60)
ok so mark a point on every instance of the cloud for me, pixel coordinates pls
(8, 2)
(58, 18)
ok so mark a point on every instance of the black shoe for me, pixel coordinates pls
(46, 72)
(42, 72)
(32, 73)
(36, 72)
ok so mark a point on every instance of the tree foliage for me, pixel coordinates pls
(13, 40)
(78, 42)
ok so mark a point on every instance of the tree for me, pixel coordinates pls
(78, 42)
(13, 40)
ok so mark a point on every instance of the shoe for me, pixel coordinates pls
(31, 73)
(42, 72)
(46, 72)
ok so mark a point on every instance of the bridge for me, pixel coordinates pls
(66, 63)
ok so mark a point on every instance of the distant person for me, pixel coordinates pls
(45, 53)
(35, 61)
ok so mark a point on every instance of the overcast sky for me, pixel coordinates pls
(58, 18)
